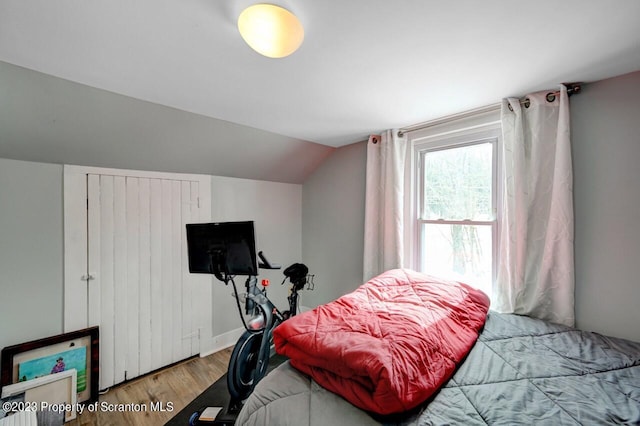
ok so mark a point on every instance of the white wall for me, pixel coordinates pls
(333, 224)
(605, 125)
(30, 251)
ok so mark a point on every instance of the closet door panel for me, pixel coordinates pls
(155, 273)
(121, 302)
(133, 290)
(140, 291)
(144, 275)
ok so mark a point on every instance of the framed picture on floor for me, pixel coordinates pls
(77, 350)
(58, 391)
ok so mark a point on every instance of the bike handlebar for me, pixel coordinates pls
(265, 263)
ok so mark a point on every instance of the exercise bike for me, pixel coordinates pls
(225, 250)
(250, 356)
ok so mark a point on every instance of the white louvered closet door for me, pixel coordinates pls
(141, 293)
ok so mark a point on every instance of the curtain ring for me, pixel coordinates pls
(510, 107)
(551, 97)
(527, 103)
(374, 139)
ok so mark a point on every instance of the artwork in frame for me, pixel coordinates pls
(56, 363)
(78, 350)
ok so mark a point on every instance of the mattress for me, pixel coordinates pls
(520, 371)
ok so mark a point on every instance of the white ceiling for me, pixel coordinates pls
(364, 66)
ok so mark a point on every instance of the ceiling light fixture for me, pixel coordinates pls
(270, 30)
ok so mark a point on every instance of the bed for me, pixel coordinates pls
(519, 370)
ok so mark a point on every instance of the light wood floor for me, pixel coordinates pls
(175, 386)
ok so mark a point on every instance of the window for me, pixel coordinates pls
(456, 199)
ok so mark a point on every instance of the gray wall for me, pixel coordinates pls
(51, 120)
(605, 126)
(605, 123)
(333, 224)
(47, 121)
(606, 153)
(30, 251)
(276, 209)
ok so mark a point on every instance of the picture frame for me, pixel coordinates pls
(57, 390)
(38, 358)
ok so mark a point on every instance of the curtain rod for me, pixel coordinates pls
(572, 88)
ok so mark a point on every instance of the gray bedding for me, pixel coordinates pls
(520, 371)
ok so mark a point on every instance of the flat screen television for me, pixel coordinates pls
(222, 248)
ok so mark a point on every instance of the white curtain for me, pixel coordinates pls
(535, 271)
(384, 203)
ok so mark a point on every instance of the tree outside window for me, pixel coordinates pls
(457, 213)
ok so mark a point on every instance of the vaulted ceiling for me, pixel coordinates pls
(364, 65)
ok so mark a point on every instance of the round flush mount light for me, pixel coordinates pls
(270, 30)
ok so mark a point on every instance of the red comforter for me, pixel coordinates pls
(390, 344)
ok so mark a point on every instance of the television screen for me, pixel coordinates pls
(231, 245)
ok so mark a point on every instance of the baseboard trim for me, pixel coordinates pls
(225, 340)
(222, 341)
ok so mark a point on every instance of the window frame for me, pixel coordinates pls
(432, 140)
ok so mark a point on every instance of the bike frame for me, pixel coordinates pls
(266, 317)
(258, 302)
(269, 317)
